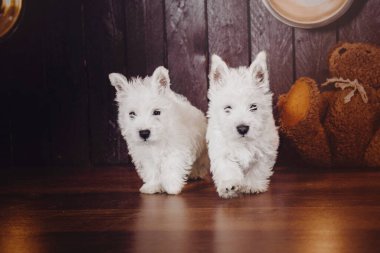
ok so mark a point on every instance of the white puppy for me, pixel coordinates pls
(242, 136)
(164, 132)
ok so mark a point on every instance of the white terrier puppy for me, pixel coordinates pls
(164, 132)
(242, 136)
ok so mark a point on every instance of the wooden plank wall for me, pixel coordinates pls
(57, 105)
(23, 84)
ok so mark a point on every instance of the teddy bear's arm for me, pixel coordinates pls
(300, 121)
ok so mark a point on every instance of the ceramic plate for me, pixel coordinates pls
(307, 13)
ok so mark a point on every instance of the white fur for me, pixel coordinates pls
(176, 146)
(241, 164)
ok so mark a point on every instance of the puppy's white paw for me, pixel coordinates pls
(172, 188)
(228, 189)
(150, 188)
(257, 187)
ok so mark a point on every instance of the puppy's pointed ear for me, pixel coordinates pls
(218, 70)
(119, 81)
(259, 70)
(161, 77)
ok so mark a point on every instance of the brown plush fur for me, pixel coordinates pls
(350, 128)
(325, 130)
(372, 156)
(304, 128)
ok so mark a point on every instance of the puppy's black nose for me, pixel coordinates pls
(144, 134)
(242, 129)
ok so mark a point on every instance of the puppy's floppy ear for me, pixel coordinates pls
(161, 77)
(259, 70)
(218, 70)
(119, 81)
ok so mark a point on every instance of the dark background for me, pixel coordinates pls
(57, 104)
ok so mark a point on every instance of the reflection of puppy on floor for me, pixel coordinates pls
(164, 132)
(161, 224)
(242, 136)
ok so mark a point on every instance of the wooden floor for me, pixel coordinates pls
(102, 211)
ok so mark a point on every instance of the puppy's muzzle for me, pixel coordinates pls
(144, 134)
(242, 129)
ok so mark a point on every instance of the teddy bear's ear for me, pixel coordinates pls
(161, 77)
(119, 81)
(218, 70)
(259, 70)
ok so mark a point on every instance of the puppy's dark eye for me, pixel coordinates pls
(132, 115)
(156, 112)
(253, 107)
(227, 109)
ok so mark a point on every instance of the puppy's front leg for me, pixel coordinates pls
(150, 176)
(174, 172)
(227, 176)
(257, 178)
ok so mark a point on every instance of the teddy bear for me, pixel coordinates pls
(337, 123)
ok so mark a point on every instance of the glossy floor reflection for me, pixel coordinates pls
(102, 211)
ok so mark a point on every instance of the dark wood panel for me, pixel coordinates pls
(362, 23)
(267, 33)
(145, 42)
(5, 124)
(102, 211)
(5, 109)
(65, 77)
(23, 73)
(228, 33)
(187, 53)
(104, 23)
(135, 39)
(155, 31)
(311, 51)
